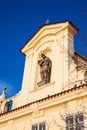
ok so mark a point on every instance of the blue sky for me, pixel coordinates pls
(19, 19)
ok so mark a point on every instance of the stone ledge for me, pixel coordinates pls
(42, 87)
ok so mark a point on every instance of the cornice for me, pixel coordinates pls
(47, 25)
(49, 101)
(80, 55)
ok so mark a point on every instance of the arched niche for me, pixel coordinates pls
(45, 46)
(47, 52)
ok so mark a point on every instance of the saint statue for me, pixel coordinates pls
(45, 69)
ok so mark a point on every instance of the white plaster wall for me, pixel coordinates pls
(53, 114)
(59, 41)
(56, 41)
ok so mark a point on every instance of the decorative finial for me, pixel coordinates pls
(47, 21)
(4, 90)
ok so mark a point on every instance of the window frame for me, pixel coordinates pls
(33, 127)
(39, 125)
(68, 124)
(79, 123)
(74, 125)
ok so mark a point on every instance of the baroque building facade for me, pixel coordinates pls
(53, 95)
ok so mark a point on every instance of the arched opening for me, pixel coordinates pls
(8, 106)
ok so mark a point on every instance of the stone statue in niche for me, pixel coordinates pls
(45, 69)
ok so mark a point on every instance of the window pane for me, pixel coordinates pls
(69, 123)
(69, 128)
(42, 126)
(79, 120)
(69, 120)
(79, 127)
(34, 127)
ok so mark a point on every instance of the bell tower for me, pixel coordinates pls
(47, 56)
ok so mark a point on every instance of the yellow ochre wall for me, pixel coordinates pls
(51, 110)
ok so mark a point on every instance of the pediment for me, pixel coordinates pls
(43, 32)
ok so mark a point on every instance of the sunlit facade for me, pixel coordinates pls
(53, 95)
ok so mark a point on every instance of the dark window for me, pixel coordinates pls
(42, 126)
(34, 127)
(79, 121)
(75, 122)
(69, 123)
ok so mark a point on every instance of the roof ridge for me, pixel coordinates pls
(46, 24)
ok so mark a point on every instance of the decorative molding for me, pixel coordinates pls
(43, 86)
(36, 112)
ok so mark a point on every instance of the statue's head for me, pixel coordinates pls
(43, 55)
